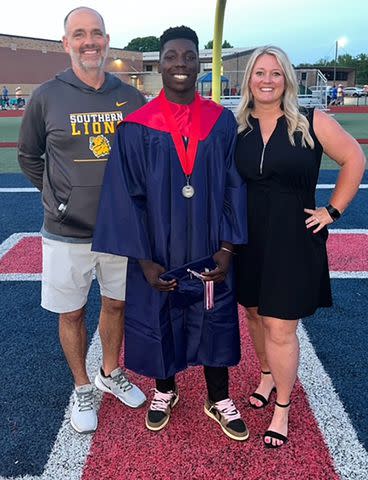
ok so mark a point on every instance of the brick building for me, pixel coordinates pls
(234, 61)
(27, 62)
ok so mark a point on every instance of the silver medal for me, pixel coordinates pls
(187, 191)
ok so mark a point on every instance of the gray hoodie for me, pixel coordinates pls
(65, 139)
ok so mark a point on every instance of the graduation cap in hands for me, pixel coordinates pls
(191, 286)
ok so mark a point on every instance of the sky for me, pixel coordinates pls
(306, 30)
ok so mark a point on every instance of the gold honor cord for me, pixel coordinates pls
(217, 50)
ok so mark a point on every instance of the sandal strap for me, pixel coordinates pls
(282, 405)
(275, 435)
(261, 398)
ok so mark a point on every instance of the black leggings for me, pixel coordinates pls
(217, 380)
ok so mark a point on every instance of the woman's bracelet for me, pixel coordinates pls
(227, 250)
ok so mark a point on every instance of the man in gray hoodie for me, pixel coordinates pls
(64, 143)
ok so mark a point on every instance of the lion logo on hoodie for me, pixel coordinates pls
(99, 145)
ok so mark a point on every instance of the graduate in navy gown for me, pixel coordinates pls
(172, 197)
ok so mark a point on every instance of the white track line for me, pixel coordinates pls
(18, 190)
(320, 186)
(70, 450)
(347, 231)
(348, 274)
(20, 277)
(323, 186)
(11, 241)
(349, 455)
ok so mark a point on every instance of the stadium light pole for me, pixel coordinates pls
(339, 43)
(217, 50)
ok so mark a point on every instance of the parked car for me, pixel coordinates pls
(354, 92)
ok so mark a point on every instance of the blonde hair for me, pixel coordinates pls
(296, 122)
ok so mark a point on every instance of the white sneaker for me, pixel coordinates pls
(84, 417)
(118, 385)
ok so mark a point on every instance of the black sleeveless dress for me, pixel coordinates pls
(284, 268)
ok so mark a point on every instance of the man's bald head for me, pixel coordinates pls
(77, 9)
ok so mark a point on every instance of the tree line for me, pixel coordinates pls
(152, 44)
(359, 62)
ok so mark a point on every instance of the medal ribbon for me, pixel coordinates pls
(186, 156)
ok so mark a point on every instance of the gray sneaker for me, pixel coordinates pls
(84, 417)
(118, 385)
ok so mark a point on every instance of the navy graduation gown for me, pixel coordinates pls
(143, 215)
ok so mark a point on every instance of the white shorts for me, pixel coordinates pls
(68, 270)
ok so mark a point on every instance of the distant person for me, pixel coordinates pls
(340, 95)
(226, 91)
(65, 139)
(19, 98)
(282, 273)
(172, 197)
(333, 95)
(5, 97)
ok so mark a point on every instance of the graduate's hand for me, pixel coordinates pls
(152, 272)
(223, 260)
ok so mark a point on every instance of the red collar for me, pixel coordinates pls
(150, 115)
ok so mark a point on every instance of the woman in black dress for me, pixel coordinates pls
(282, 274)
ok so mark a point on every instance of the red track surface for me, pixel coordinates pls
(348, 252)
(11, 113)
(25, 257)
(194, 447)
(349, 109)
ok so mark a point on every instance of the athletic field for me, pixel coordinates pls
(328, 436)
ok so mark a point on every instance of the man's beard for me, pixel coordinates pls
(86, 64)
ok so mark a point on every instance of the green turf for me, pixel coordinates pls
(355, 123)
(9, 163)
(328, 164)
(9, 129)
(8, 160)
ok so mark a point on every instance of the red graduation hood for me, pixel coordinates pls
(151, 115)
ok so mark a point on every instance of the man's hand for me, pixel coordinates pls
(152, 272)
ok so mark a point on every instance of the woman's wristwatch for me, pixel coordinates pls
(333, 212)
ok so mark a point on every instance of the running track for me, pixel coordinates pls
(328, 424)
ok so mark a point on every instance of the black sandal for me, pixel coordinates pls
(265, 401)
(276, 435)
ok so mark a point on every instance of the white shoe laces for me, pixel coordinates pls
(228, 409)
(84, 401)
(161, 400)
